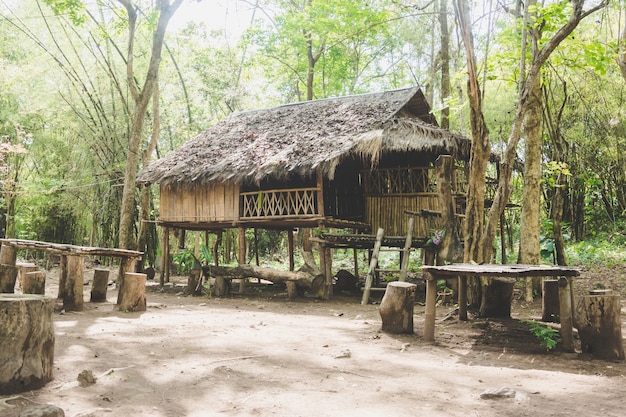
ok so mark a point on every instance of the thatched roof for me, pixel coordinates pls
(303, 137)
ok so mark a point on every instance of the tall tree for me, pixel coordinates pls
(141, 97)
(480, 236)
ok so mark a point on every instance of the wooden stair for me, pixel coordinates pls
(373, 267)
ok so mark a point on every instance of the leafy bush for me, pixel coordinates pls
(547, 336)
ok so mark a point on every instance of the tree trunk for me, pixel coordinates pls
(27, 340)
(308, 276)
(600, 327)
(445, 64)
(142, 99)
(396, 308)
(529, 227)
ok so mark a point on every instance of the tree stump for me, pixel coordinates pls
(8, 275)
(194, 282)
(23, 268)
(497, 298)
(396, 308)
(8, 255)
(600, 327)
(34, 282)
(550, 301)
(73, 292)
(99, 285)
(134, 296)
(221, 286)
(27, 340)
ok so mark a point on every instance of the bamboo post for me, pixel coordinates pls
(62, 276)
(372, 268)
(462, 297)
(431, 301)
(290, 249)
(165, 259)
(328, 272)
(241, 247)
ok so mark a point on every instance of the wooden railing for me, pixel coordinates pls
(400, 181)
(279, 203)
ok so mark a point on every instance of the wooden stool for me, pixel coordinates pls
(27, 340)
(133, 297)
(99, 285)
(34, 282)
(600, 326)
(396, 307)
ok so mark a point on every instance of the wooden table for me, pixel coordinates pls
(434, 273)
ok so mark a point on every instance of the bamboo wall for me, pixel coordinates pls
(198, 204)
(387, 211)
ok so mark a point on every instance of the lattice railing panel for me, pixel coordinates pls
(279, 203)
(400, 181)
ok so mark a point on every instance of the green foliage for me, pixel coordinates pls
(547, 336)
(75, 9)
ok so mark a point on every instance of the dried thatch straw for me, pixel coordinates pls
(304, 137)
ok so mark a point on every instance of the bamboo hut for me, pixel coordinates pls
(356, 162)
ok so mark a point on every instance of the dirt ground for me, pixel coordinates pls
(259, 354)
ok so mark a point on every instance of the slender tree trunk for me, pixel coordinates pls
(445, 63)
(529, 227)
(142, 99)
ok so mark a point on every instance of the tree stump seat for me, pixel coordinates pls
(396, 308)
(598, 318)
(27, 342)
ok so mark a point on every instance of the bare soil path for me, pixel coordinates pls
(260, 354)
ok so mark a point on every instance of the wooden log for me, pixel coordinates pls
(99, 285)
(8, 276)
(302, 277)
(550, 301)
(600, 326)
(396, 308)
(73, 294)
(27, 340)
(34, 283)
(134, 298)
